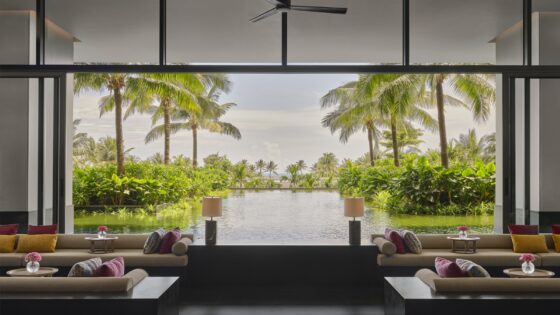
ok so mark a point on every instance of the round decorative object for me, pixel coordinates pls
(32, 266)
(42, 272)
(463, 234)
(102, 234)
(528, 267)
(518, 273)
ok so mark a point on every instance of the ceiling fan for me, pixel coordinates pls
(286, 6)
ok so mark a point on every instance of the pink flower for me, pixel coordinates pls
(463, 228)
(33, 256)
(527, 257)
(102, 228)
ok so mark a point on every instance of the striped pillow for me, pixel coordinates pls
(85, 268)
(472, 269)
(154, 241)
(411, 241)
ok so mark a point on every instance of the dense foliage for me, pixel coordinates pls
(421, 187)
(144, 183)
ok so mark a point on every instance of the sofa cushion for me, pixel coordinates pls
(395, 237)
(497, 285)
(7, 243)
(154, 241)
(111, 268)
(529, 243)
(42, 229)
(487, 241)
(168, 240)
(384, 246)
(133, 258)
(472, 269)
(11, 260)
(9, 229)
(411, 241)
(483, 257)
(550, 259)
(555, 228)
(523, 229)
(448, 269)
(85, 268)
(556, 238)
(42, 243)
(181, 247)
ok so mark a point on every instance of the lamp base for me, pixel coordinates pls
(211, 232)
(355, 232)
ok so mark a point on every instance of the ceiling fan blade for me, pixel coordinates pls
(319, 9)
(264, 15)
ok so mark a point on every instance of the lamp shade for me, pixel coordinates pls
(354, 207)
(212, 207)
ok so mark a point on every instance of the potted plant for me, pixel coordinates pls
(463, 231)
(33, 260)
(102, 231)
(527, 266)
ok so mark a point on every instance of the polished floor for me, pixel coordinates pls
(269, 300)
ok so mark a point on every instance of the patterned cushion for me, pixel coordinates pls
(85, 268)
(153, 241)
(395, 237)
(448, 269)
(472, 269)
(111, 268)
(168, 240)
(411, 241)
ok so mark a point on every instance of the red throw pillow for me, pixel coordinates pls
(555, 229)
(42, 229)
(111, 268)
(394, 237)
(448, 269)
(9, 229)
(168, 240)
(523, 229)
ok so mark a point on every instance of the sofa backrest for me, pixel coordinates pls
(487, 241)
(71, 284)
(125, 241)
(487, 285)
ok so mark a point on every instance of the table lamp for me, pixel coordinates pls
(211, 207)
(354, 207)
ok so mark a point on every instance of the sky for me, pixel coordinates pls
(279, 116)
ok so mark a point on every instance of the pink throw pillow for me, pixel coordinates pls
(9, 229)
(394, 237)
(555, 229)
(42, 229)
(111, 268)
(448, 269)
(168, 240)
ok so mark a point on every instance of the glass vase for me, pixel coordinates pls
(32, 266)
(528, 267)
(463, 234)
(102, 234)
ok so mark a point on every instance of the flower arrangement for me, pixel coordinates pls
(527, 258)
(462, 228)
(102, 228)
(33, 257)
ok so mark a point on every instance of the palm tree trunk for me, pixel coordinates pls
(395, 143)
(119, 131)
(370, 144)
(441, 122)
(194, 148)
(167, 131)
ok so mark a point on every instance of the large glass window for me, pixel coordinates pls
(219, 32)
(466, 32)
(102, 31)
(369, 33)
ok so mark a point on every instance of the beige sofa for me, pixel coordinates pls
(493, 250)
(71, 284)
(72, 248)
(487, 285)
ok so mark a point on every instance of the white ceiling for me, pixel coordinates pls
(219, 31)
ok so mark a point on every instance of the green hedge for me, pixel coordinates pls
(419, 187)
(144, 183)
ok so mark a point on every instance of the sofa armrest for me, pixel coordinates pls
(427, 276)
(385, 247)
(135, 277)
(181, 247)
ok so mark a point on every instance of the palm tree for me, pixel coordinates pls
(168, 91)
(206, 116)
(326, 165)
(408, 140)
(301, 166)
(469, 148)
(260, 165)
(293, 172)
(240, 172)
(474, 92)
(271, 168)
(116, 86)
